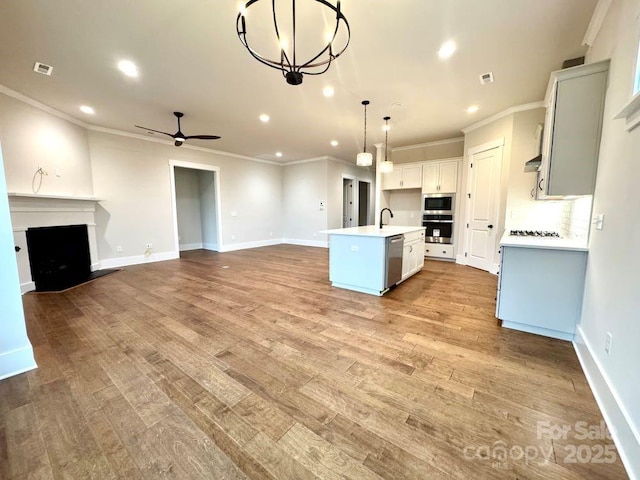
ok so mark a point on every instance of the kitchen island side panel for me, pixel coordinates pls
(357, 261)
(542, 288)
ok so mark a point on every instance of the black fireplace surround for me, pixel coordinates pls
(60, 258)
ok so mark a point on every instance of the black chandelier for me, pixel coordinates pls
(289, 64)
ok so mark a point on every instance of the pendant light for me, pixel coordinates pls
(386, 166)
(288, 61)
(364, 159)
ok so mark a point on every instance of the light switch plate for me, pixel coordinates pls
(598, 221)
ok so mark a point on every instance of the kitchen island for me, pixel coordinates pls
(371, 259)
(541, 284)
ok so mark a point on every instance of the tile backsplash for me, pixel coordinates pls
(576, 217)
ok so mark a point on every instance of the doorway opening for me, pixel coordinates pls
(196, 206)
(364, 194)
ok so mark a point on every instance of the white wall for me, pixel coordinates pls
(305, 184)
(612, 292)
(208, 212)
(133, 176)
(16, 353)
(188, 208)
(304, 187)
(32, 138)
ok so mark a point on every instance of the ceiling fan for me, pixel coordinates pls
(179, 137)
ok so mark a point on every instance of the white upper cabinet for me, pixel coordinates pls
(402, 177)
(575, 106)
(440, 177)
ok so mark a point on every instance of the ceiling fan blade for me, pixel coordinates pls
(156, 131)
(203, 137)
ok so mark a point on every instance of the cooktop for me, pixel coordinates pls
(533, 233)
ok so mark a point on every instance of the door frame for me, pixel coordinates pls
(174, 207)
(499, 143)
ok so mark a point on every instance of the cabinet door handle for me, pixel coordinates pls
(489, 226)
(540, 184)
(533, 192)
(444, 251)
(17, 248)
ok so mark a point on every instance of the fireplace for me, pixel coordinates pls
(32, 211)
(59, 256)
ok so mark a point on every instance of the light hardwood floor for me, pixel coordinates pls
(250, 365)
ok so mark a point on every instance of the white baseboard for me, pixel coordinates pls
(95, 266)
(138, 259)
(306, 243)
(243, 246)
(184, 247)
(461, 259)
(16, 361)
(27, 287)
(624, 433)
(210, 246)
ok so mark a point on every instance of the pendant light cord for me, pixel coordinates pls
(386, 139)
(365, 103)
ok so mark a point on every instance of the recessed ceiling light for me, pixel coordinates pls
(88, 110)
(447, 49)
(278, 154)
(473, 109)
(396, 105)
(128, 68)
(334, 143)
(328, 91)
(264, 118)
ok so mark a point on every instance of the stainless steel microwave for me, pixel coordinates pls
(439, 203)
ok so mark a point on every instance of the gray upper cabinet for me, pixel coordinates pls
(575, 106)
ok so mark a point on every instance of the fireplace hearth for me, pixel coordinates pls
(59, 257)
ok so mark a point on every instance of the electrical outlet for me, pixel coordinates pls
(234, 214)
(58, 173)
(355, 248)
(149, 245)
(607, 343)
(323, 204)
(119, 249)
(314, 234)
(233, 237)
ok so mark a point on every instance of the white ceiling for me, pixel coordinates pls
(190, 59)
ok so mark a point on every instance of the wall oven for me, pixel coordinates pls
(439, 228)
(438, 203)
(437, 217)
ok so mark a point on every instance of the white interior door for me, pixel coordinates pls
(484, 182)
(348, 207)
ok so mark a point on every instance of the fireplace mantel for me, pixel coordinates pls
(43, 210)
(53, 197)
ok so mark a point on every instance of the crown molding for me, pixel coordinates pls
(57, 113)
(599, 14)
(505, 113)
(429, 144)
(41, 106)
(111, 131)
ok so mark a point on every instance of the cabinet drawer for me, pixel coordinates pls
(413, 236)
(438, 250)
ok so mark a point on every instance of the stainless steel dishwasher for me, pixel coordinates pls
(393, 264)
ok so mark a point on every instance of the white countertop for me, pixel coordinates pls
(576, 244)
(373, 231)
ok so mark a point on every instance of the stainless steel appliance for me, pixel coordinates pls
(443, 203)
(437, 217)
(439, 228)
(393, 260)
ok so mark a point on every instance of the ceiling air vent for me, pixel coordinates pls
(486, 78)
(43, 69)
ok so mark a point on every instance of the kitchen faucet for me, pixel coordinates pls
(381, 212)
